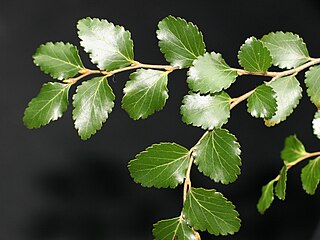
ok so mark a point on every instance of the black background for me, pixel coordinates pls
(53, 186)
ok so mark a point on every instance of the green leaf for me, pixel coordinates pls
(262, 102)
(92, 103)
(206, 111)
(287, 49)
(180, 41)
(288, 93)
(281, 185)
(316, 124)
(210, 210)
(266, 198)
(293, 149)
(210, 73)
(254, 57)
(49, 105)
(313, 84)
(161, 165)
(217, 156)
(173, 229)
(145, 93)
(60, 60)
(110, 46)
(310, 176)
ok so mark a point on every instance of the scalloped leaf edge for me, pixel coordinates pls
(186, 22)
(101, 124)
(112, 24)
(145, 151)
(53, 44)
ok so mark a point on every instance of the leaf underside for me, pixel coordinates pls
(92, 103)
(161, 165)
(180, 41)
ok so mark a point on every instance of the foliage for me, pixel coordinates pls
(207, 105)
(161, 165)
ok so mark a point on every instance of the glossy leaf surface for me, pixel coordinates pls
(254, 57)
(175, 228)
(145, 93)
(161, 165)
(210, 73)
(207, 111)
(92, 103)
(217, 156)
(316, 124)
(288, 93)
(262, 102)
(287, 49)
(266, 198)
(310, 176)
(180, 41)
(293, 149)
(60, 60)
(47, 106)
(210, 210)
(110, 46)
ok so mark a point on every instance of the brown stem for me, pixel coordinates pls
(291, 164)
(236, 101)
(187, 181)
(135, 65)
(313, 61)
(74, 80)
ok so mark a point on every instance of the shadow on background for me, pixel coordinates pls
(92, 196)
(88, 199)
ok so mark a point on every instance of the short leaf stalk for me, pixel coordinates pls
(135, 65)
(207, 105)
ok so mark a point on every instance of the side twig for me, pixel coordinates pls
(234, 102)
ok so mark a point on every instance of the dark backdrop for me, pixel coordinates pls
(56, 187)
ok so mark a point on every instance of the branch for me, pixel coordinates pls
(291, 164)
(235, 101)
(313, 61)
(187, 181)
(135, 65)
